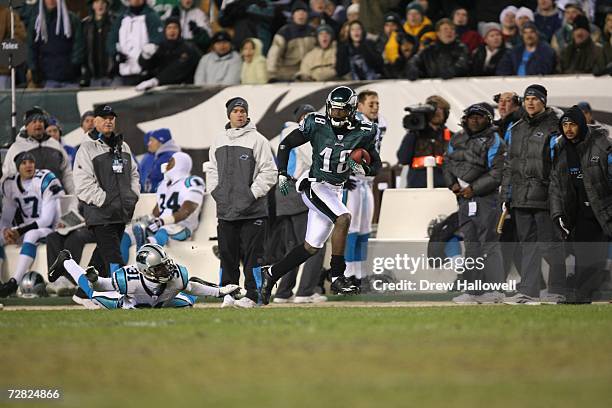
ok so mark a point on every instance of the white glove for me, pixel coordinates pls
(283, 184)
(231, 289)
(148, 84)
(155, 225)
(148, 50)
(356, 168)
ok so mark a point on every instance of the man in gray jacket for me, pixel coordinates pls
(107, 186)
(239, 175)
(525, 189)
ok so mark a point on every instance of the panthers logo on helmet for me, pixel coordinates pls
(341, 106)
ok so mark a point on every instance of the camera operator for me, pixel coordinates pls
(107, 185)
(427, 136)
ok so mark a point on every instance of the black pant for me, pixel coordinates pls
(242, 240)
(590, 247)
(74, 242)
(539, 239)
(292, 230)
(108, 241)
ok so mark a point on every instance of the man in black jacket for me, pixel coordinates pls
(107, 185)
(473, 169)
(581, 199)
(173, 62)
(525, 190)
(446, 58)
(97, 69)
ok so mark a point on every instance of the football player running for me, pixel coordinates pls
(333, 137)
(154, 281)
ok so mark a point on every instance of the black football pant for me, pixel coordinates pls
(74, 242)
(242, 240)
(108, 244)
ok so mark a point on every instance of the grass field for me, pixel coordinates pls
(555, 356)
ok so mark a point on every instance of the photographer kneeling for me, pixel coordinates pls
(427, 136)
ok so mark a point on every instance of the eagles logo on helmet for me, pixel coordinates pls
(341, 106)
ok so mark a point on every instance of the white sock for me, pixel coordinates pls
(350, 269)
(103, 285)
(334, 278)
(359, 269)
(74, 269)
(23, 264)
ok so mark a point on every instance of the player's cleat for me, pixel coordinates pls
(343, 286)
(92, 274)
(355, 281)
(57, 269)
(140, 234)
(8, 288)
(267, 283)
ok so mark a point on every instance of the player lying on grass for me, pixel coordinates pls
(154, 281)
(333, 136)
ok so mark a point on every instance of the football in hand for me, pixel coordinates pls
(361, 156)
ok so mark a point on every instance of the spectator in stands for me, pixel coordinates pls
(98, 64)
(430, 141)
(401, 67)
(48, 152)
(563, 36)
(473, 168)
(510, 32)
(290, 44)
(358, 58)
(176, 215)
(36, 213)
(580, 200)
(525, 191)
(55, 47)
(239, 187)
(548, 19)
(5, 34)
(54, 129)
(291, 222)
(469, 37)
(254, 69)
(318, 15)
(87, 123)
(587, 111)
(523, 15)
(533, 57)
(160, 148)
(248, 19)
(352, 14)
(371, 13)
(446, 58)
(487, 56)
(139, 25)
(582, 55)
(388, 41)
(107, 186)
(418, 25)
(221, 66)
(195, 26)
(319, 64)
(510, 112)
(606, 42)
(173, 62)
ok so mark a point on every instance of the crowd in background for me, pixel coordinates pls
(146, 43)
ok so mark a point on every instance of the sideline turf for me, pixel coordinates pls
(314, 357)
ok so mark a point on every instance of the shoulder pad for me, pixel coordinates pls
(193, 181)
(47, 179)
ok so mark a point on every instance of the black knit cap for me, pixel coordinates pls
(298, 5)
(538, 91)
(575, 115)
(581, 22)
(234, 102)
(172, 20)
(21, 157)
(482, 109)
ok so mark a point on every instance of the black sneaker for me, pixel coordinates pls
(355, 281)
(8, 288)
(267, 283)
(344, 286)
(57, 269)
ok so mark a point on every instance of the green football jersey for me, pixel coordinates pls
(331, 150)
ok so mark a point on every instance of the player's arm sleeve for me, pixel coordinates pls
(52, 189)
(199, 287)
(294, 139)
(87, 188)
(266, 172)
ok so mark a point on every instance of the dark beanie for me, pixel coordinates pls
(581, 22)
(482, 109)
(21, 157)
(172, 20)
(87, 114)
(238, 101)
(299, 5)
(538, 91)
(574, 114)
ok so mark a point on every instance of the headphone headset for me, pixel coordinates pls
(516, 99)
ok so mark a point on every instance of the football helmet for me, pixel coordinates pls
(32, 285)
(154, 263)
(341, 106)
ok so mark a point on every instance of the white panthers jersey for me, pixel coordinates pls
(23, 199)
(171, 197)
(139, 291)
